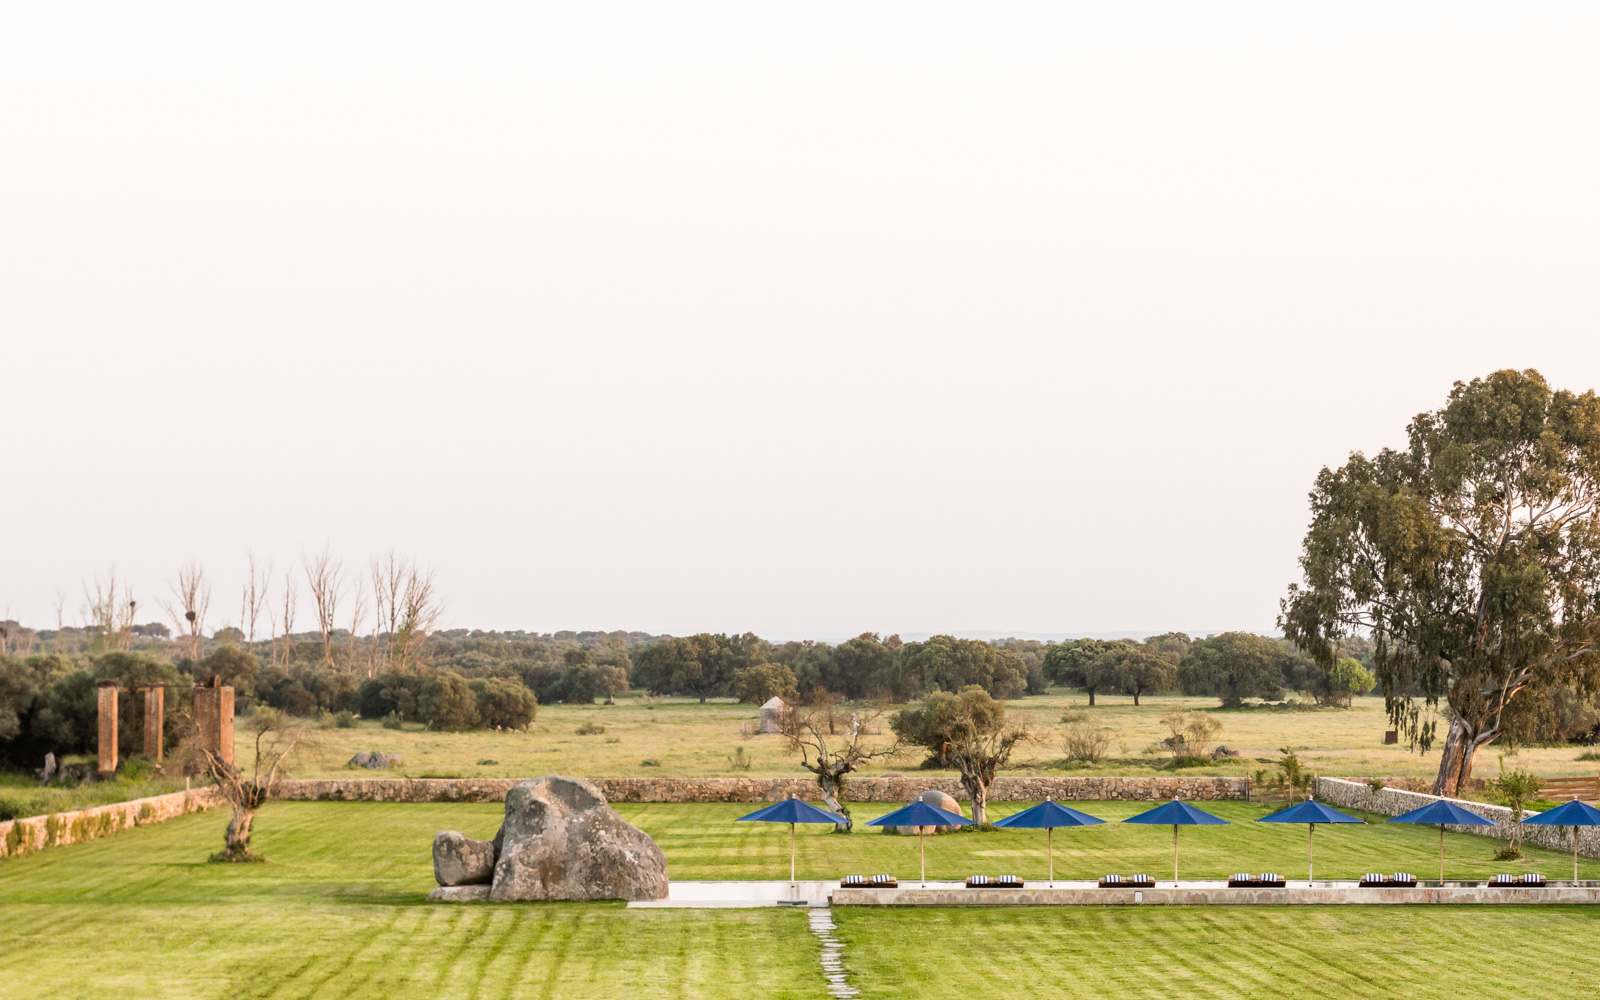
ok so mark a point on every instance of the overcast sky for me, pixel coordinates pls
(803, 319)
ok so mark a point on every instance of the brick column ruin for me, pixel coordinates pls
(107, 692)
(155, 703)
(213, 716)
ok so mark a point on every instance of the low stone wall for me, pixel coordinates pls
(1349, 794)
(878, 789)
(1326, 894)
(35, 833)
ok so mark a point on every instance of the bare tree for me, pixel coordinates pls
(358, 613)
(388, 586)
(420, 608)
(277, 740)
(109, 608)
(831, 746)
(61, 620)
(254, 599)
(289, 598)
(325, 577)
(191, 600)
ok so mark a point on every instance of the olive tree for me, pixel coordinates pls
(968, 730)
(276, 740)
(1471, 557)
(832, 744)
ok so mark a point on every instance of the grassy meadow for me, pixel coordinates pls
(337, 911)
(680, 737)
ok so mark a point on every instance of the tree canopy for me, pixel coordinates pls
(1471, 557)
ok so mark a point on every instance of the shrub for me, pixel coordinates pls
(504, 701)
(589, 729)
(740, 761)
(448, 703)
(392, 721)
(344, 719)
(1086, 743)
(11, 809)
(649, 762)
(1589, 755)
(137, 768)
(1192, 733)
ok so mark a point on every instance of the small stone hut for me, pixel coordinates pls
(772, 714)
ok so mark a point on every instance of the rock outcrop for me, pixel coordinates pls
(460, 860)
(376, 761)
(560, 840)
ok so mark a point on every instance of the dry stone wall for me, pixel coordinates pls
(1348, 794)
(35, 833)
(877, 789)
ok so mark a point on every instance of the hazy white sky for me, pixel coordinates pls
(807, 318)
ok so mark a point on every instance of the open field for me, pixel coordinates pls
(1344, 953)
(337, 912)
(687, 739)
(22, 795)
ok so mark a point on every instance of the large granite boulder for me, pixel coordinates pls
(460, 860)
(939, 800)
(560, 840)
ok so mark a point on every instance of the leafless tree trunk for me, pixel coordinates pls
(358, 612)
(289, 596)
(810, 732)
(277, 740)
(420, 609)
(191, 599)
(388, 589)
(61, 621)
(110, 607)
(254, 600)
(325, 576)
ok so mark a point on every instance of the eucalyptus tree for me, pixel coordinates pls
(1471, 557)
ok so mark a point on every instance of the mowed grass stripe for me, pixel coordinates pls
(1421, 952)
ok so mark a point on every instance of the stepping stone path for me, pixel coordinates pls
(822, 926)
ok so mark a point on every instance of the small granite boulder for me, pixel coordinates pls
(561, 840)
(376, 761)
(459, 894)
(460, 860)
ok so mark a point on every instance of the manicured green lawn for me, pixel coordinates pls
(704, 842)
(1323, 953)
(337, 913)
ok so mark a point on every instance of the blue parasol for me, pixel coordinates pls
(791, 811)
(920, 814)
(1445, 813)
(1573, 814)
(1310, 812)
(1177, 814)
(1048, 815)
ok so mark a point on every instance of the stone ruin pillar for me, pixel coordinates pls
(107, 692)
(213, 715)
(155, 703)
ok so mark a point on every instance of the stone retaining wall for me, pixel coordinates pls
(879, 789)
(1349, 794)
(35, 833)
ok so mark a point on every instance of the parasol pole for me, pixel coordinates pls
(1174, 855)
(922, 848)
(1441, 855)
(1050, 848)
(1311, 852)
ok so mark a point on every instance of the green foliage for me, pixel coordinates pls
(344, 719)
(1081, 663)
(393, 721)
(17, 691)
(590, 729)
(949, 664)
(136, 768)
(762, 682)
(237, 668)
(1192, 733)
(448, 703)
(504, 702)
(739, 761)
(1472, 558)
(1233, 666)
(947, 720)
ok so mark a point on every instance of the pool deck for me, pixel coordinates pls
(719, 895)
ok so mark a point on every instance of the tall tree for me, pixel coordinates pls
(1078, 663)
(1472, 557)
(1142, 670)
(191, 598)
(832, 746)
(325, 580)
(1233, 666)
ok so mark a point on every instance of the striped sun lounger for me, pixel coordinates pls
(1126, 882)
(876, 882)
(998, 882)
